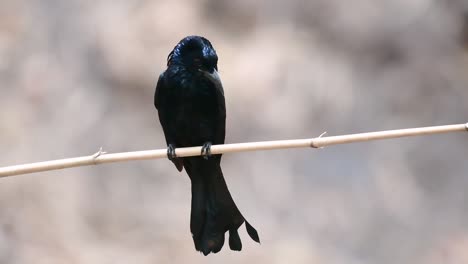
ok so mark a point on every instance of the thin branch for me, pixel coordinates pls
(318, 142)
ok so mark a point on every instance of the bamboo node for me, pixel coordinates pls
(312, 143)
(97, 154)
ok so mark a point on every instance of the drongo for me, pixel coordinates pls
(190, 101)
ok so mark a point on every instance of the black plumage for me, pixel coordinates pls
(190, 101)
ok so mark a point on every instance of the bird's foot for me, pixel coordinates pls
(171, 152)
(206, 150)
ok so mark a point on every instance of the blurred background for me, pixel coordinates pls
(77, 75)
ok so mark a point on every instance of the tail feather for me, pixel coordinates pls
(213, 209)
(212, 242)
(198, 213)
(252, 232)
(235, 242)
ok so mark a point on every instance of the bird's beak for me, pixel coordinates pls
(214, 77)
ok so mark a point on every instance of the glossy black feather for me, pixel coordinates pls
(190, 101)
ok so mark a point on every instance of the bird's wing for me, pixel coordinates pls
(159, 95)
(214, 78)
(158, 90)
(221, 125)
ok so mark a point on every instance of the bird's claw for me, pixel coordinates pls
(171, 152)
(206, 150)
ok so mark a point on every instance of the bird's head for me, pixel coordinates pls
(195, 53)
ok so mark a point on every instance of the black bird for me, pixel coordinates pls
(189, 98)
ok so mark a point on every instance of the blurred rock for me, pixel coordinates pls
(78, 75)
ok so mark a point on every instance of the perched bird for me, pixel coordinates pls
(189, 98)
